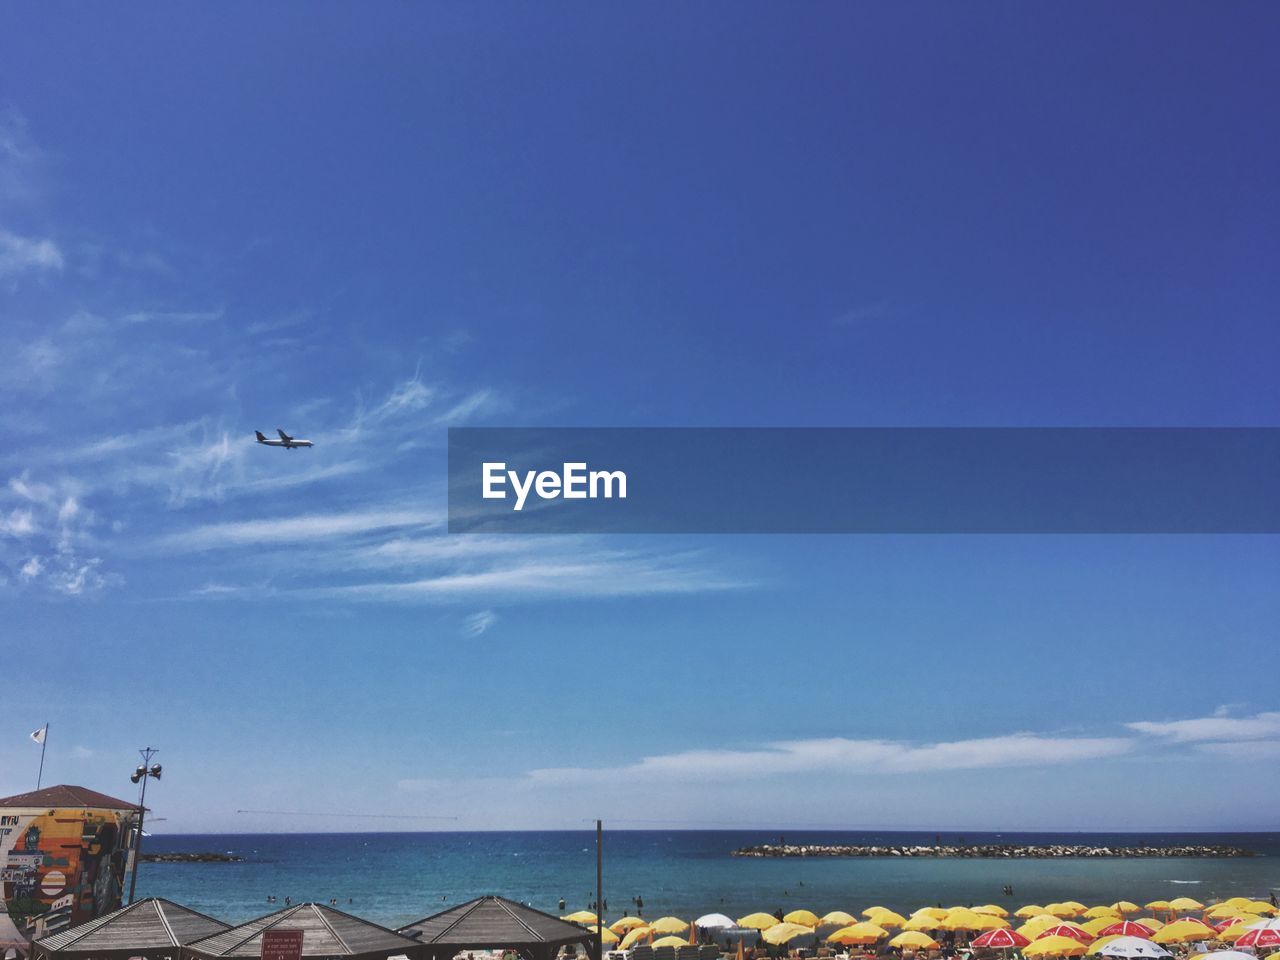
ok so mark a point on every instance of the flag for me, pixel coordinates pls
(37, 736)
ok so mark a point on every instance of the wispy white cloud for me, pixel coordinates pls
(23, 254)
(841, 756)
(477, 623)
(170, 316)
(294, 530)
(1260, 726)
(1243, 750)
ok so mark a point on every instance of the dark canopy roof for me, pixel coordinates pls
(66, 795)
(326, 933)
(489, 922)
(147, 925)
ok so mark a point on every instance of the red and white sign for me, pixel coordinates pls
(282, 945)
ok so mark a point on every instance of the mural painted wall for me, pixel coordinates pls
(61, 867)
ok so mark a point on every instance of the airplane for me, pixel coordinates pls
(285, 440)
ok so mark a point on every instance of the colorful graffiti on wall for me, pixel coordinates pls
(61, 867)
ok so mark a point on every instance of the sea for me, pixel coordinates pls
(396, 878)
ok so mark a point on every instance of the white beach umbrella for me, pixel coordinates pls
(711, 921)
(1227, 955)
(1133, 947)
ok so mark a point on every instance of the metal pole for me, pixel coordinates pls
(137, 839)
(44, 743)
(599, 890)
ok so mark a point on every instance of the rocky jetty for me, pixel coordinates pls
(190, 858)
(989, 851)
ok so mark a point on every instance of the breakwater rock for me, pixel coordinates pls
(190, 858)
(989, 851)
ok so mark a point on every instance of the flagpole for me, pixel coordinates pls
(44, 743)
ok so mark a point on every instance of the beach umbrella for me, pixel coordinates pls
(1064, 909)
(1150, 922)
(987, 922)
(1055, 947)
(991, 910)
(1265, 934)
(1260, 906)
(839, 918)
(1072, 930)
(859, 933)
(669, 925)
(1184, 931)
(806, 918)
(634, 936)
(623, 924)
(1129, 947)
(606, 935)
(871, 912)
(676, 942)
(713, 921)
(1126, 906)
(1236, 930)
(1098, 924)
(915, 940)
(922, 923)
(1185, 903)
(1126, 928)
(781, 933)
(1076, 905)
(936, 912)
(961, 919)
(758, 921)
(581, 916)
(1094, 912)
(1227, 955)
(1095, 948)
(1033, 928)
(1029, 911)
(1001, 940)
(887, 918)
(1158, 905)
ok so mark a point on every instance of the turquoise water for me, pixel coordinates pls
(394, 878)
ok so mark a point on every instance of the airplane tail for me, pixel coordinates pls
(261, 438)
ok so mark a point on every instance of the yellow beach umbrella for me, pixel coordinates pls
(1158, 905)
(1220, 911)
(784, 932)
(1076, 905)
(634, 936)
(987, 922)
(1151, 923)
(859, 933)
(1029, 911)
(1062, 910)
(758, 921)
(887, 918)
(1055, 947)
(1184, 931)
(872, 911)
(623, 924)
(1126, 906)
(937, 913)
(991, 910)
(606, 935)
(1261, 906)
(1235, 931)
(676, 942)
(921, 923)
(838, 917)
(1097, 945)
(806, 918)
(1038, 925)
(914, 939)
(1093, 913)
(1237, 901)
(581, 916)
(669, 925)
(961, 918)
(1185, 903)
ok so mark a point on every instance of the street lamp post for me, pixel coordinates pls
(145, 770)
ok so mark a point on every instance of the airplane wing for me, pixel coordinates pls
(283, 435)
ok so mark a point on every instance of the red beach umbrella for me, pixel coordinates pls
(1128, 928)
(1262, 935)
(1066, 930)
(1001, 940)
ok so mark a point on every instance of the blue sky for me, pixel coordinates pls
(366, 224)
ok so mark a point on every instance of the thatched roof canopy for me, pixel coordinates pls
(326, 933)
(489, 923)
(148, 928)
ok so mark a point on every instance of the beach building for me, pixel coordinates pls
(151, 929)
(496, 923)
(64, 855)
(326, 932)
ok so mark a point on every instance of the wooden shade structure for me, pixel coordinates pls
(495, 923)
(326, 933)
(153, 928)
